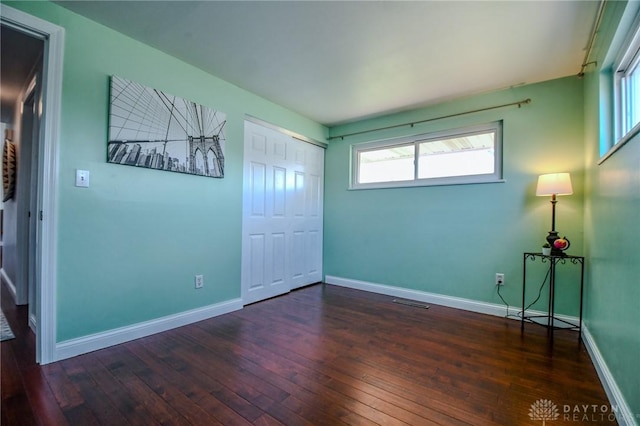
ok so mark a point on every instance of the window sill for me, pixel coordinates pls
(626, 138)
(421, 183)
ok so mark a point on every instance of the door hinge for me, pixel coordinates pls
(40, 214)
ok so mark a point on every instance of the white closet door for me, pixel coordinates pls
(282, 213)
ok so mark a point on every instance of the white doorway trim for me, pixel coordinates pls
(47, 174)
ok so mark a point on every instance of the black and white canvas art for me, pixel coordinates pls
(152, 129)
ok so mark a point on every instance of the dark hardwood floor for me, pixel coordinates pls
(322, 355)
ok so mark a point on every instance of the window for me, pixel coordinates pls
(622, 74)
(627, 86)
(466, 155)
(620, 85)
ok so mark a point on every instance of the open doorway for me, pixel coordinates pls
(32, 115)
(21, 66)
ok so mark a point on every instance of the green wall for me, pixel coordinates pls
(130, 245)
(612, 229)
(451, 240)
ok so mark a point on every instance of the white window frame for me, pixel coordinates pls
(627, 62)
(496, 176)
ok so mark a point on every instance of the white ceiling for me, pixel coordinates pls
(339, 61)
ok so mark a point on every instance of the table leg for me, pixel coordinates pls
(552, 295)
(524, 287)
(581, 293)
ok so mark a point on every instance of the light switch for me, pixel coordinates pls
(82, 178)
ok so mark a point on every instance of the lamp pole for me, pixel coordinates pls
(553, 235)
(554, 201)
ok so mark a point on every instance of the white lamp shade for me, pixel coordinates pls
(554, 183)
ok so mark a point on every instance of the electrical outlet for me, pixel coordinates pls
(499, 279)
(199, 281)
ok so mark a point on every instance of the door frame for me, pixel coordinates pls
(26, 236)
(24, 194)
(47, 216)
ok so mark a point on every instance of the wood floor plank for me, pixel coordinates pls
(133, 410)
(94, 397)
(25, 373)
(322, 355)
(226, 396)
(170, 391)
(41, 397)
(343, 391)
(364, 357)
(15, 403)
(271, 404)
(116, 361)
(196, 370)
(285, 378)
(330, 415)
(9, 377)
(350, 383)
(163, 373)
(267, 420)
(63, 388)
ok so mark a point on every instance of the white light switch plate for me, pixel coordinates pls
(82, 178)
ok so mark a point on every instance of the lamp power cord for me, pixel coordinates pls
(520, 314)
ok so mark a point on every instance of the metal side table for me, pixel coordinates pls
(553, 262)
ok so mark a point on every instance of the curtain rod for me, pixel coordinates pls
(519, 104)
(592, 39)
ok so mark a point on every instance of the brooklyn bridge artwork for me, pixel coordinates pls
(149, 128)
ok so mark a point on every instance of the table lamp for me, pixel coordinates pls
(554, 184)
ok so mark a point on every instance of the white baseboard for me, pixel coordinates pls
(10, 286)
(94, 342)
(624, 415)
(438, 299)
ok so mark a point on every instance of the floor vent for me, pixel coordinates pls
(411, 303)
